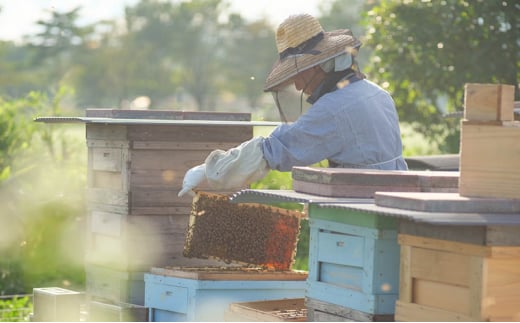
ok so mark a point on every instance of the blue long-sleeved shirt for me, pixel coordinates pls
(355, 127)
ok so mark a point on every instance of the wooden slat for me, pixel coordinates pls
(489, 161)
(448, 297)
(446, 202)
(406, 280)
(223, 273)
(488, 102)
(407, 312)
(441, 266)
(190, 133)
(106, 132)
(445, 245)
(174, 145)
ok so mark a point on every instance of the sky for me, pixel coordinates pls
(18, 17)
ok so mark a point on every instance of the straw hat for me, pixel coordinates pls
(302, 43)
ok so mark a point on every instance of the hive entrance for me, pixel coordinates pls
(246, 233)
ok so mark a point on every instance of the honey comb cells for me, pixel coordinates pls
(245, 233)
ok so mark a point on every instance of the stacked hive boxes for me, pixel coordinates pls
(135, 170)
(262, 237)
(466, 269)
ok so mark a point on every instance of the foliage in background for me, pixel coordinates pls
(425, 51)
(41, 191)
(16, 309)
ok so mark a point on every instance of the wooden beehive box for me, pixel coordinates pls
(363, 183)
(278, 310)
(447, 280)
(353, 264)
(55, 304)
(204, 294)
(135, 170)
(490, 143)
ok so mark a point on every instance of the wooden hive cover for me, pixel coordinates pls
(363, 183)
(245, 233)
(229, 273)
(446, 202)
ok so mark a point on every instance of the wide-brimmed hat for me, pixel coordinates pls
(302, 43)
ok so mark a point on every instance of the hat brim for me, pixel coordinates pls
(333, 44)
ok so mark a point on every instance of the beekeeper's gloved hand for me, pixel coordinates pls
(238, 166)
(193, 178)
(230, 169)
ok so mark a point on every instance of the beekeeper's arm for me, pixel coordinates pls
(224, 170)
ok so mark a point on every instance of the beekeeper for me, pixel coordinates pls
(351, 122)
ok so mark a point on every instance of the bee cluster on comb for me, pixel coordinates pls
(248, 233)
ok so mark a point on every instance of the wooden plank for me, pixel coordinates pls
(446, 202)
(489, 161)
(444, 245)
(176, 145)
(229, 273)
(190, 133)
(488, 102)
(107, 196)
(358, 191)
(177, 161)
(478, 283)
(106, 223)
(107, 159)
(363, 183)
(502, 299)
(409, 312)
(106, 132)
(343, 249)
(405, 274)
(167, 114)
(441, 266)
(107, 143)
(107, 180)
(476, 235)
(440, 295)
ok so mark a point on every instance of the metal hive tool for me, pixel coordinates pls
(251, 233)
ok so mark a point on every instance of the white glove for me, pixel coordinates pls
(236, 167)
(193, 178)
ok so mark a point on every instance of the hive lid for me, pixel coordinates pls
(446, 202)
(363, 183)
(284, 196)
(247, 233)
(438, 218)
(229, 273)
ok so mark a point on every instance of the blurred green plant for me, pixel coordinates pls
(41, 189)
(16, 309)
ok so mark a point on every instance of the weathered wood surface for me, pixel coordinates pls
(489, 102)
(446, 280)
(363, 183)
(446, 202)
(484, 235)
(490, 156)
(228, 273)
(438, 218)
(167, 114)
(318, 311)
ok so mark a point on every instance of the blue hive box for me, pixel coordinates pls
(204, 294)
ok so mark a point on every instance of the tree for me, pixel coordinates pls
(60, 43)
(425, 51)
(250, 52)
